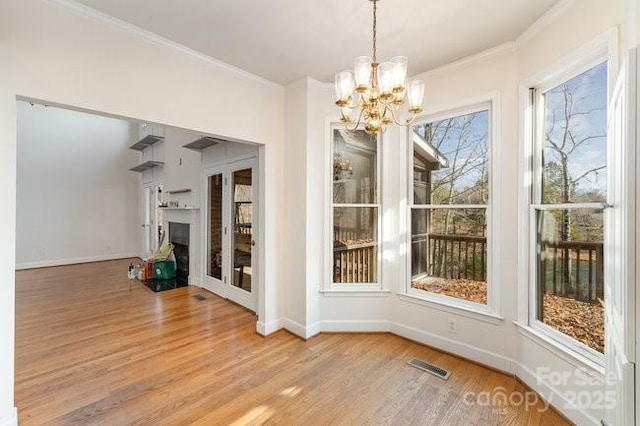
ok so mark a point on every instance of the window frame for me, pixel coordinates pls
(491, 104)
(328, 284)
(534, 197)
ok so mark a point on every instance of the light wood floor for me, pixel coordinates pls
(91, 351)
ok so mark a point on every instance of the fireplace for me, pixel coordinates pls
(179, 237)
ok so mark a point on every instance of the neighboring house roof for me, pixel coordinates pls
(429, 152)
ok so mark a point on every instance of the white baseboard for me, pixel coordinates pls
(266, 328)
(355, 326)
(553, 396)
(12, 420)
(299, 329)
(481, 356)
(72, 261)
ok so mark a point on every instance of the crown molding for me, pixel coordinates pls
(157, 39)
(545, 20)
(499, 50)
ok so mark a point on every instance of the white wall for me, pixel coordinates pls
(76, 199)
(64, 56)
(8, 415)
(294, 213)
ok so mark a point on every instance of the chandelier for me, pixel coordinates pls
(376, 91)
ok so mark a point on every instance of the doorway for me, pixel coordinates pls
(230, 222)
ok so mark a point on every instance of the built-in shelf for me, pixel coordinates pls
(178, 191)
(202, 143)
(146, 165)
(180, 208)
(146, 142)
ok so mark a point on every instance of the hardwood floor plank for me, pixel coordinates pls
(93, 348)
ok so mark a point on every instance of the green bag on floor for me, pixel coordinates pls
(164, 269)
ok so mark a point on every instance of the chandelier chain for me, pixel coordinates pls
(374, 29)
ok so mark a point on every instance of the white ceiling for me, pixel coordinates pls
(285, 40)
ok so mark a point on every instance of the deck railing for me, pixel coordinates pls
(572, 269)
(450, 256)
(355, 264)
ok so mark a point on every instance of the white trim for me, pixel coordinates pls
(299, 329)
(362, 293)
(453, 306)
(501, 49)
(570, 206)
(10, 421)
(265, 329)
(157, 39)
(544, 21)
(560, 350)
(554, 397)
(481, 356)
(75, 260)
(448, 206)
(599, 49)
(457, 108)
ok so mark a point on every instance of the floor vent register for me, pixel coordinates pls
(430, 368)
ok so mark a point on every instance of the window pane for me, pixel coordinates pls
(242, 182)
(571, 273)
(575, 130)
(355, 244)
(449, 252)
(354, 167)
(215, 225)
(451, 160)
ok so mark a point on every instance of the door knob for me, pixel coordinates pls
(253, 242)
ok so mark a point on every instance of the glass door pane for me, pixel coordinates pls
(214, 267)
(241, 191)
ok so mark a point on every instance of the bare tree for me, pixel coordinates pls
(564, 137)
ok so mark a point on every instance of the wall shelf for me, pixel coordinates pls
(146, 142)
(146, 165)
(180, 208)
(178, 191)
(202, 143)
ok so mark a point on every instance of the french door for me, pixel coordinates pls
(152, 218)
(230, 218)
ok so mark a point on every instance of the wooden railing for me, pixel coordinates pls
(355, 264)
(450, 256)
(566, 268)
(572, 269)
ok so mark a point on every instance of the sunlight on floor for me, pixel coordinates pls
(256, 416)
(291, 391)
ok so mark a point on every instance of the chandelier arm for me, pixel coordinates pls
(407, 122)
(356, 125)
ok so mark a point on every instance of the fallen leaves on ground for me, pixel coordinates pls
(474, 291)
(580, 320)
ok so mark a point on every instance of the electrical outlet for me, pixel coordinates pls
(451, 325)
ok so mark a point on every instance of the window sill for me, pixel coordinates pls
(458, 309)
(353, 292)
(572, 357)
